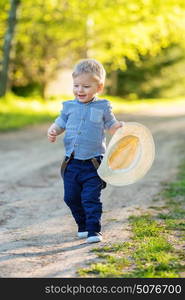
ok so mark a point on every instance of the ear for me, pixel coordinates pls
(100, 87)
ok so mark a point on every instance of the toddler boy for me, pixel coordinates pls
(84, 120)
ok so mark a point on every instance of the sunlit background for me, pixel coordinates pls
(140, 42)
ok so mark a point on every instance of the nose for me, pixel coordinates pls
(80, 88)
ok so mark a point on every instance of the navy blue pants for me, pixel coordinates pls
(82, 190)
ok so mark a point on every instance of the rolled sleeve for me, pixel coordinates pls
(109, 117)
(62, 119)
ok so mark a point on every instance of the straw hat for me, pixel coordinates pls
(129, 155)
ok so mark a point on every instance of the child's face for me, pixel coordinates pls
(85, 87)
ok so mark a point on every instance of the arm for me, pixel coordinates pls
(111, 124)
(53, 131)
(58, 126)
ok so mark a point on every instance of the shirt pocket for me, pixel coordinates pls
(96, 115)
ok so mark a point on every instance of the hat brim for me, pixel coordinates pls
(140, 166)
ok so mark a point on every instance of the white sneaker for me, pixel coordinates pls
(82, 234)
(95, 238)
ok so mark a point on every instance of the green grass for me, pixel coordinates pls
(148, 254)
(155, 246)
(174, 193)
(17, 112)
(127, 106)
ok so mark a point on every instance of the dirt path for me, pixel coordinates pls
(37, 232)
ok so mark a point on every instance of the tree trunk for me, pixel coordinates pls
(7, 46)
(114, 82)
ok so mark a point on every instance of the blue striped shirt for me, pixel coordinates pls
(85, 125)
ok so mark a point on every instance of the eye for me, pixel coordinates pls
(86, 86)
(75, 85)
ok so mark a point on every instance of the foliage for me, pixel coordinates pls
(135, 28)
(55, 33)
(154, 77)
(4, 8)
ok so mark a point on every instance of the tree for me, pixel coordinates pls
(127, 29)
(55, 33)
(53, 36)
(7, 46)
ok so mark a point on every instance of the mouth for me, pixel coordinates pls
(81, 96)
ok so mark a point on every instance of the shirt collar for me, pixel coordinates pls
(93, 100)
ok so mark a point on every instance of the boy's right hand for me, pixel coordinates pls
(52, 135)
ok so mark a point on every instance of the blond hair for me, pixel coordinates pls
(90, 66)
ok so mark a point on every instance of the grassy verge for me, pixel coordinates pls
(18, 112)
(155, 248)
(119, 104)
